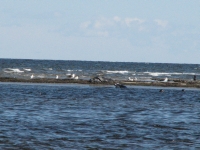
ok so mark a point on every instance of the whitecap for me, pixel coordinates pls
(12, 70)
(168, 73)
(74, 70)
(189, 73)
(162, 73)
(41, 76)
(121, 72)
(27, 69)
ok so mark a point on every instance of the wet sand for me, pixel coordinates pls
(155, 82)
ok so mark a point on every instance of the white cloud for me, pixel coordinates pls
(162, 23)
(140, 21)
(103, 22)
(105, 27)
(85, 25)
(117, 19)
(129, 21)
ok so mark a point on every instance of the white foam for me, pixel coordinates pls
(73, 70)
(27, 69)
(12, 70)
(41, 76)
(168, 73)
(190, 74)
(121, 72)
(162, 73)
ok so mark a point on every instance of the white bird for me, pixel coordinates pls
(32, 76)
(130, 79)
(71, 76)
(166, 80)
(76, 77)
(56, 76)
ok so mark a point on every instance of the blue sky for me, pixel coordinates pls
(166, 31)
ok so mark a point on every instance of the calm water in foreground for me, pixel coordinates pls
(58, 116)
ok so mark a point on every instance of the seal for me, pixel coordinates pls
(161, 90)
(118, 85)
(194, 78)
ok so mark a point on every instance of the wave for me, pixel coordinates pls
(13, 70)
(121, 72)
(73, 70)
(26, 69)
(168, 73)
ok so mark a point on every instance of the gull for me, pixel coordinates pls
(56, 76)
(166, 80)
(71, 75)
(32, 76)
(130, 79)
(76, 77)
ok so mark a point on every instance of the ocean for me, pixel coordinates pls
(77, 116)
(23, 69)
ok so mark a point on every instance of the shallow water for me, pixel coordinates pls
(59, 116)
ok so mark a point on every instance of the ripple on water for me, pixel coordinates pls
(76, 117)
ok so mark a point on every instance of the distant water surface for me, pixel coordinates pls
(24, 69)
(73, 116)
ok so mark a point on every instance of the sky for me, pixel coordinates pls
(163, 31)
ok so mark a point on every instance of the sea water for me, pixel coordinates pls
(74, 116)
(24, 69)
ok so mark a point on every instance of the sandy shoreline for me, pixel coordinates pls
(170, 83)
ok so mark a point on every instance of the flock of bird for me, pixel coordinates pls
(117, 85)
(71, 76)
